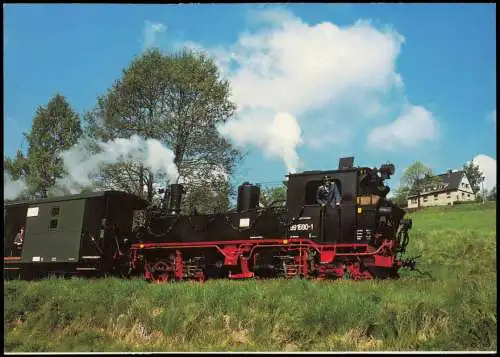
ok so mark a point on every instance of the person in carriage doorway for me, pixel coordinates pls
(328, 193)
(17, 245)
(19, 239)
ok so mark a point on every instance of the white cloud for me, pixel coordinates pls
(488, 167)
(297, 67)
(150, 31)
(410, 129)
(307, 71)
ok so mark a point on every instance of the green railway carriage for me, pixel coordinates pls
(87, 233)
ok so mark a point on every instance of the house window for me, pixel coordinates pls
(435, 196)
(463, 195)
(414, 200)
(425, 199)
(448, 195)
(468, 195)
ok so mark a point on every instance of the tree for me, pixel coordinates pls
(17, 167)
(401, 196)
(418, 178)
(474, 175)
(493, 194)
(177, 99)
(272, 196)
(55, 128)
(207, 198)
(482, 195)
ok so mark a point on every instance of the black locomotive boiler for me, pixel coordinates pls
(118, 233)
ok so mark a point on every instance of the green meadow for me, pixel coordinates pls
(453, 308)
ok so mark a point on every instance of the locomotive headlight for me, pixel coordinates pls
(141, 246)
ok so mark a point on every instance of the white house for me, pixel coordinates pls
(455, 187)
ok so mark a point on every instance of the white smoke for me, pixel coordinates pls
(12, 189)
(278, 135)
(81, 164)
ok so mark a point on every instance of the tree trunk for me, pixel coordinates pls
(150, 188)
(141, 181)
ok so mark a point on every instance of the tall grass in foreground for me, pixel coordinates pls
(455, 309)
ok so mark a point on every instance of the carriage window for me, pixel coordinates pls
(54, 212)
(53, 224)
(312, 187)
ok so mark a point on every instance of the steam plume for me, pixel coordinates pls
(13, 188)
(81, 164)
(279, 136)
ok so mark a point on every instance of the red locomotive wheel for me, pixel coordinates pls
(161, 271)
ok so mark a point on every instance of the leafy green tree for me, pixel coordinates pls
(474, 175)
(418, 178)
(17, 167)
(401, 196)
(207, 198)
(177, 99)
(272, 196)
(55, 128)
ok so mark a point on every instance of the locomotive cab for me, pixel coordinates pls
(328, 224)
(363, 211)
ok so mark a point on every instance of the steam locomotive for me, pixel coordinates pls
(113, 232)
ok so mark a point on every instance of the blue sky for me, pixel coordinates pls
(394, 82)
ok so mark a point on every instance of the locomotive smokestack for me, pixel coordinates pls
(248, 197)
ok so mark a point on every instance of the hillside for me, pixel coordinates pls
(454, 309)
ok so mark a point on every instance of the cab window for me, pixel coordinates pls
(312, 188)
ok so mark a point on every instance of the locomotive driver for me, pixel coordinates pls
(328, 193)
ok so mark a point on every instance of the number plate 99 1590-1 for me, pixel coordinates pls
(302, 227)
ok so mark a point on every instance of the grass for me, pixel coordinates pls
(455, 309)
